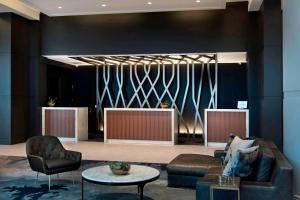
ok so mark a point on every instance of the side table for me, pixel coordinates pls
(234, 185)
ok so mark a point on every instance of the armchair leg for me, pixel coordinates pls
(37, 177)
(73, 177)
(49, 184)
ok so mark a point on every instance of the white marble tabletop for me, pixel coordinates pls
(137, 173)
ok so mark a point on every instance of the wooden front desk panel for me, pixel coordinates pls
(60, 123)
(220, 123)
(66, 123)
(140, 126)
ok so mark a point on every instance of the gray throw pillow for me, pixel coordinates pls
(242, 162)
(230, 139)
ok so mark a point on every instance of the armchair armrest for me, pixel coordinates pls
(219, 154)
(73, 155)
(37, 163)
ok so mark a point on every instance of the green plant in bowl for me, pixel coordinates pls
(119, 168)
(51, 102)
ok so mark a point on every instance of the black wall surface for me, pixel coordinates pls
(60, 85)
(5, 78)
(271, 93)
(19, 62)
(144, 33)
(73, 87)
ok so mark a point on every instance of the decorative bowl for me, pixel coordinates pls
(119, 168)
(51, 104)
(164, 105)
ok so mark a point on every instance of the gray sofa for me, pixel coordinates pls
(198, 171)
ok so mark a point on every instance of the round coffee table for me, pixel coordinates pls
(138, 175)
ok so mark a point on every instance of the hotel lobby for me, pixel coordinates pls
(154, 99)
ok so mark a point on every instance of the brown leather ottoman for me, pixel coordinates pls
(185, 169)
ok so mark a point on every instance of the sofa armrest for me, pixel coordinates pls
(220, 154)
(259, 190)
(37, 163)
(248, 184)
(73, 155)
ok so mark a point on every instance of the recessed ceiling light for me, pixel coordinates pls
(149, 3)
(103, 5)
(198, 1)
(59, 7)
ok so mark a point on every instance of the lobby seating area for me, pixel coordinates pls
(149, 100)
(268, 181)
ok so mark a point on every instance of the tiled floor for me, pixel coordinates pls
(119, 152)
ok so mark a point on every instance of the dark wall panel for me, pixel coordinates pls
(19, 78)
(5, 119)
(5, 33)
(271, 74)
(16, 59)
(60, 85)
(5, 78)
(232, 85)
(163, 32)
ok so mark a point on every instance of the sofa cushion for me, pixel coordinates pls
(192, 164)
(60, 163)
(242, 162)
(236, 144)
(264, 166)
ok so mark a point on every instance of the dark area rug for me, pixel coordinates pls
(18, 182)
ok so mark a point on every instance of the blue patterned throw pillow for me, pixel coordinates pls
(241, 163)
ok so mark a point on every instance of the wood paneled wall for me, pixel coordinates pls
(221, 123)
(139, 125)
(60, 123)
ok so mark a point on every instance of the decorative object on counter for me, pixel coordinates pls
(119, 168)
(164, 104)
(51, 102)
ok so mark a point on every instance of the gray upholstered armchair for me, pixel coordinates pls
(47, 155)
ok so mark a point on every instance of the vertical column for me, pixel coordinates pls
(19, 79)
(5, 78)
(291, 87)
(271, 73)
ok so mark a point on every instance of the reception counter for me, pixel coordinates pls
(220, 123)
(139, 125)
(66, 123)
